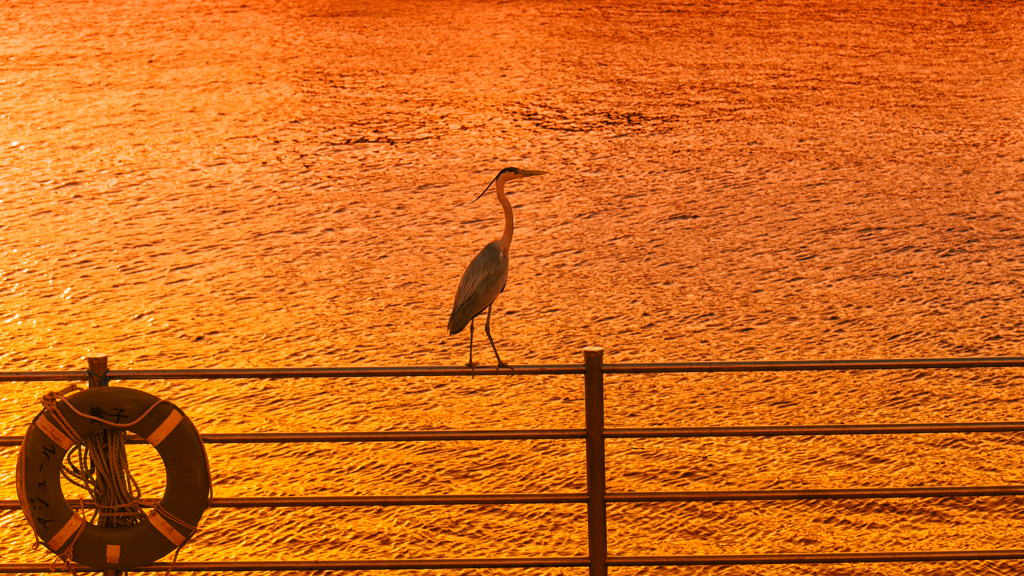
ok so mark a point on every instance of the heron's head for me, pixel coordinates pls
(509, 174)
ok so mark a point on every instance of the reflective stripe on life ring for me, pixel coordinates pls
(165, 427)
(172, 535)
(62, 535)
(51, 430)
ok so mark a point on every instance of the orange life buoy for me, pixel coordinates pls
(167, 527)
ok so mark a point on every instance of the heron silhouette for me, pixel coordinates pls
(487, 274)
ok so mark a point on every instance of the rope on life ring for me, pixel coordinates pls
(64, 424)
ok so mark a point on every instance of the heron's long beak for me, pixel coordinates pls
(523, 173)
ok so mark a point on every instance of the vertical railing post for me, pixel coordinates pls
(97, 370)
(593, 401)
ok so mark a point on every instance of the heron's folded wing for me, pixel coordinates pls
(483, 280)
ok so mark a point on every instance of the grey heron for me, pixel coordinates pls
(486, 275)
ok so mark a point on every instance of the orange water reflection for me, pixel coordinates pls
(266, 183)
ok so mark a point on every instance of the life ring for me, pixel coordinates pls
(164, 529)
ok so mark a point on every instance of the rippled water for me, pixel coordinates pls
(287, 183)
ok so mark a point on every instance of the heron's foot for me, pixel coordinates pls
(504, 365)
(472, 364)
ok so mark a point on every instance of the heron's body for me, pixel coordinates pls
(487, 274)
(483, 281)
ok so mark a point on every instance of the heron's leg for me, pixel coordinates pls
(471, 365)
(487, 329)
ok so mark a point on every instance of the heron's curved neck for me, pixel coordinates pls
(506, 238)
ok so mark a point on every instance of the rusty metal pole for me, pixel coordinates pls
(593, 400)
(97, 370)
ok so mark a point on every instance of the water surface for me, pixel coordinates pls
(287, 183)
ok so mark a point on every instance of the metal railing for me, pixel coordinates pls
(594, 433)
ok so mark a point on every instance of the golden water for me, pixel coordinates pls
(261, 183)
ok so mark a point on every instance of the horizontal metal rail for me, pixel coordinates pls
(837, 558)
(816, 365)
(581, 497)
(817, 494)
(335, 501)
(579, 434)
(310, 565)
(521, 370)
(329, 437)
(552, 562)
(274, 373)
(824, 430)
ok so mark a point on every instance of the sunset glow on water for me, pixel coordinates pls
(260, 183)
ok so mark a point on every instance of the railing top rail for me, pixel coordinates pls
(521, 370)
(816, 365)
(270, 373)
